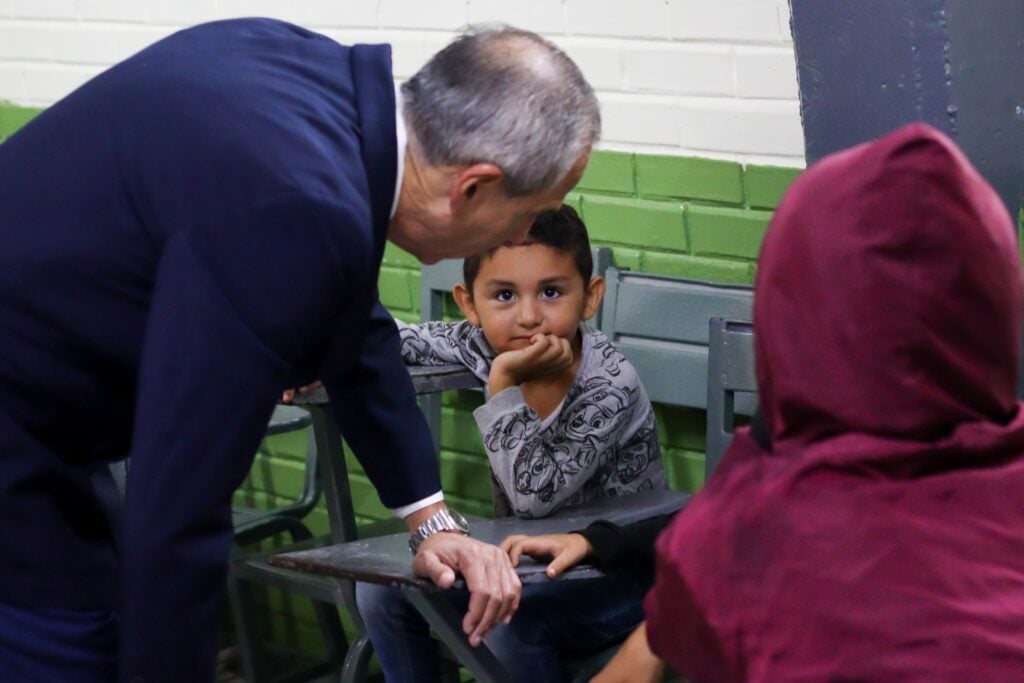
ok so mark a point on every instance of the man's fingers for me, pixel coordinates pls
(510, 594)
(430, 565)
(517, 596)
(287, 396)
(480, 616)
(498, 601)
(494, 592)
(475, 576)
(493, 613)
(513, 593)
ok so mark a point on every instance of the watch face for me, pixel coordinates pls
(459, 520)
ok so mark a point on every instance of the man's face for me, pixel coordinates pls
(488, 219)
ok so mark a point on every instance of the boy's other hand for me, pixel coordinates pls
(564, 550)
(493, 584)
(546, 355)
(289, 394)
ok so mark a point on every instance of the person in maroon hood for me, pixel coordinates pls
(880, 537)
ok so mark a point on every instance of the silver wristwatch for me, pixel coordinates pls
(444, 519)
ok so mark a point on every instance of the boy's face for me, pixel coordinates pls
(526, 290)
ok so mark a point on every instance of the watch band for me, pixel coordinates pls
(444, 519)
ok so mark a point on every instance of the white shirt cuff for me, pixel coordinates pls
(407, 510)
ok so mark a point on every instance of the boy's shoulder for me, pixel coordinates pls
(602, 358)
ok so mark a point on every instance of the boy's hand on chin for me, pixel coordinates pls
(546, 355)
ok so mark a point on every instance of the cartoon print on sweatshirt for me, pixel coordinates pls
(600, 442)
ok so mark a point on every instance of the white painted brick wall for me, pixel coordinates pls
(440, 15)
(632, 19)
(109, 10)
(73, 44)
(766, 72)
(45, 9)
(726, 20)
(671, 68)
(12, 81)
(650, 121)
(714, 78)
(761, 127)
(541, 16)
(52, 81)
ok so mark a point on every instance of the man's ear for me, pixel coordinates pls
(471, 182)
(464, 298)
(594, 296)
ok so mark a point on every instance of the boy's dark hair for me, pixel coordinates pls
(561, 230)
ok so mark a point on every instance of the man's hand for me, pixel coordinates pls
(564, 550)
(289, 394)
(547, 354)
(633, 663)
(493, 584)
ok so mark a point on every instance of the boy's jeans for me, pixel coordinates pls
(555, 619)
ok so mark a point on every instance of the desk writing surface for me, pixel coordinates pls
(386, 559)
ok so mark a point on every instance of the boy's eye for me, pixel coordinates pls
(504, 295)
(550, 293)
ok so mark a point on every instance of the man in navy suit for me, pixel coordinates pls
(197, 229)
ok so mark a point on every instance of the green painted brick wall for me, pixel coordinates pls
(766, 184)
(13, 117)
(609, 173)
(614, 220)
(726, 232)
(689, 178)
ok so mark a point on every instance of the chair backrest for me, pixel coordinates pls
(660, 323)
(730, 372)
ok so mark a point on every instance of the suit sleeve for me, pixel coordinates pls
(235, 303)
(375, 406)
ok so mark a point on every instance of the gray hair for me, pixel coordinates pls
(505, 96)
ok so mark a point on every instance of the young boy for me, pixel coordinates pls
(566, 421)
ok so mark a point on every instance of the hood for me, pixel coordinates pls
(888, 297)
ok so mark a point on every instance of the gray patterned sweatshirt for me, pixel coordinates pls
(601, 441)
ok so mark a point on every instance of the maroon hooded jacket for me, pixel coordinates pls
(882, 536)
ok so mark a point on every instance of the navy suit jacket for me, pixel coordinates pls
(182, 238)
